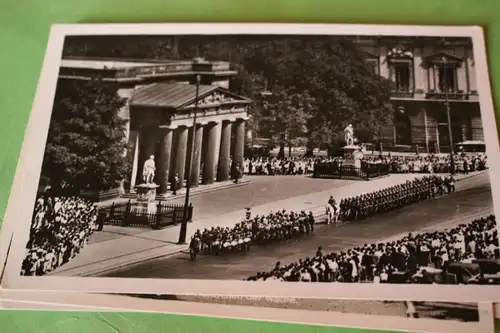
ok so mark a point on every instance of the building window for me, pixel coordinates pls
(402, 77)
(447, 78)
(402, 128)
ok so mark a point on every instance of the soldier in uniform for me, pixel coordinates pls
(175, 184)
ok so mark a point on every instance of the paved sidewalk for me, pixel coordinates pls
(102, 257)
(201, 189)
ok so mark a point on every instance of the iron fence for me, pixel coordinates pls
(128, 214)
(337, 170)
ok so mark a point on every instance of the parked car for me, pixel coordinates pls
(488, 266)
(460, 273)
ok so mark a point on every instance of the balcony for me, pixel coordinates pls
(402, 94)
(457, 95)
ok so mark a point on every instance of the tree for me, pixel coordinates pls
(287, 116)
(85, 143)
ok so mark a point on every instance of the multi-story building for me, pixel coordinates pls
(429, 75)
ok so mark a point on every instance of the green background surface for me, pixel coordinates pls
(24, 29)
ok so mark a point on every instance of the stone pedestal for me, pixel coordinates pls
(146, 195)
(349, 155)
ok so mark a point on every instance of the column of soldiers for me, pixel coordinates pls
(394, 197)
(259, 230)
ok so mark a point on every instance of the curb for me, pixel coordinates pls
(129, 263)
(195, 193)
(214, 189)
(470, 175)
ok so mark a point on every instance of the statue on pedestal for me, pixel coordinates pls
(349, 135)
(148, 170)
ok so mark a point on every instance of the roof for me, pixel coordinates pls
(169, 95)
(99, 64)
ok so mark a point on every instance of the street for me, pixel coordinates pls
(472, 200)
(260, 190)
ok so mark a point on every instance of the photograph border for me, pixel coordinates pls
(23, 194)
(69, 301)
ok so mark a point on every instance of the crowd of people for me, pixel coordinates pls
(464, 163)
(272, 166)
(429, 164)
(60, 228)
(260, 230)
(391, 198)
(417, 258)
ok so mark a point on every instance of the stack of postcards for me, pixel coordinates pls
(319, 174)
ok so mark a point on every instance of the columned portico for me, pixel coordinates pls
(166, 127)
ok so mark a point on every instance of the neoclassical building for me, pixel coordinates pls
(161, 100)
(426, 72)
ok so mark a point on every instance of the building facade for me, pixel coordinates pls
(161, 99)
(429, 75)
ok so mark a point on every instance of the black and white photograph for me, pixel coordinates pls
(408, 316)
(229, 159)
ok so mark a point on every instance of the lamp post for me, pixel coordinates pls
(448, 116)
(183, 232)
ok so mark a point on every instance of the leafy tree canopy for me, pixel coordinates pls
(85, 143)
(319, 84)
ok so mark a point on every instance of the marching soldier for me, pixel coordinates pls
(248, 213)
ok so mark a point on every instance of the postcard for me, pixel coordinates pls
(409, 316)
(310, 161)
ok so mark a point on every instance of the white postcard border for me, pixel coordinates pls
(19, 211)
(105, 303)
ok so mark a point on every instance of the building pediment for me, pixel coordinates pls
(216, 97)
(399, 53)
(443, 57)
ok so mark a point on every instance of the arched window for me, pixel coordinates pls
(402, 128)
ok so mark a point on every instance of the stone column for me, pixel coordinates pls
(135, 162)
(147, 148)
(224, 152)
(239, 144)
(163, 165)
(217, 138)
(195, 167)
(210, 158)
(150, 147)
(181, 151)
